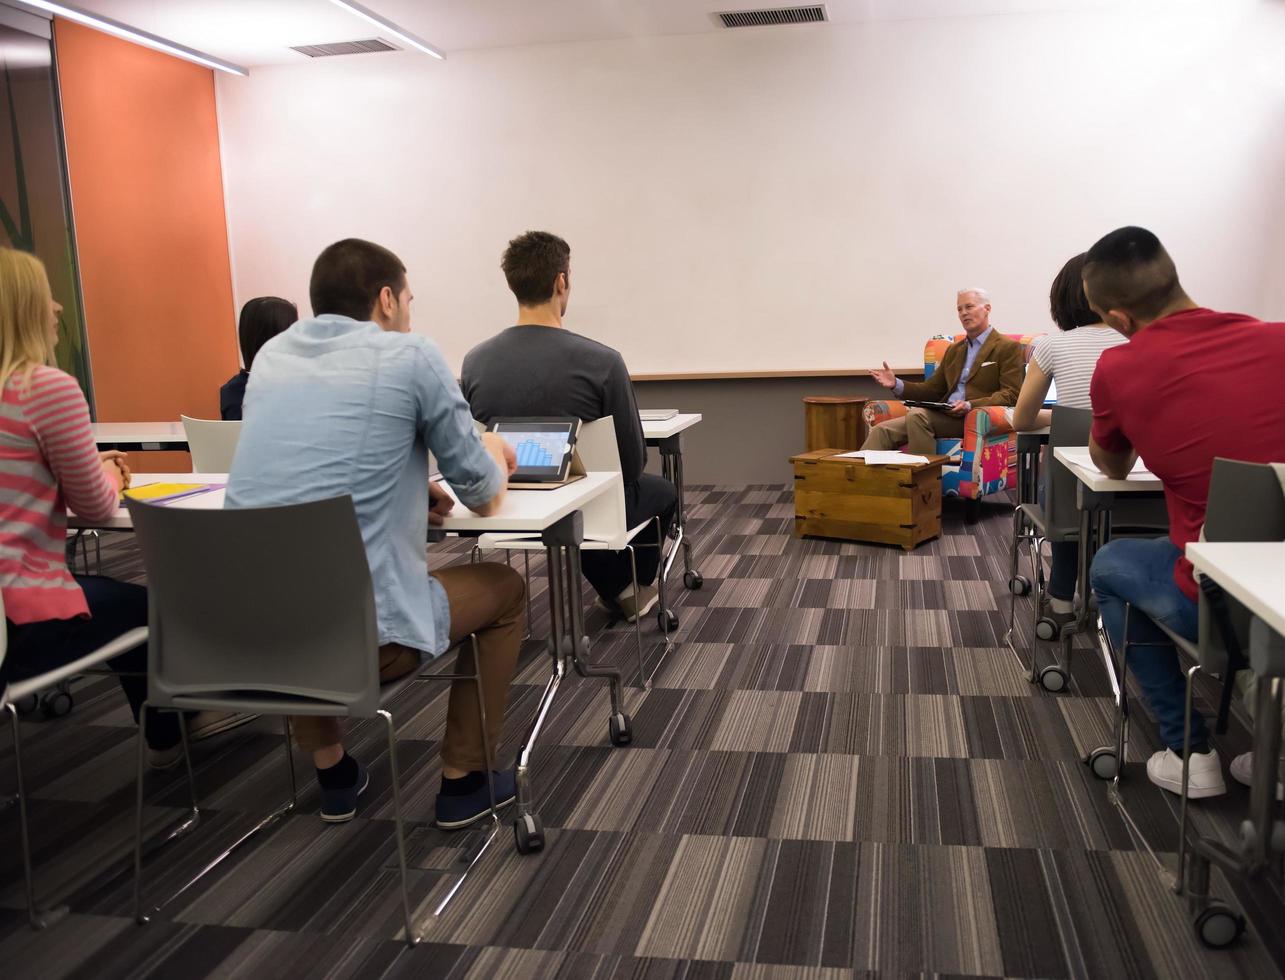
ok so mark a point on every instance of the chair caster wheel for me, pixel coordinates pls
(528, 834)
(57, 704)
(1019, 585)
(621, 732)
(693, 580)
(667, 621)
(1053, 679)
(28, 704)
(1046, 629)
(1102, 762)
(1217, 927)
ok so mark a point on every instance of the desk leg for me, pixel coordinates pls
(1028, 476)
(527, 830)
(567, 642)
(1264, 835)
(671, 455)
(1107, 761)
(619, 724)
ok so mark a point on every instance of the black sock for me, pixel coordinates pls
(1200, 748)
(465, 785)
(339, 776)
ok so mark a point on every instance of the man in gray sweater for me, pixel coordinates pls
(538, 368)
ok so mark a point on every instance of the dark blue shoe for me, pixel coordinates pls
(340, 805)
(454, 812)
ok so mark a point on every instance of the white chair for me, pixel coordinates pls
(16, 691)
(212, 443)
(599, 452)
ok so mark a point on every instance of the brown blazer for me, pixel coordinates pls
(998, 371)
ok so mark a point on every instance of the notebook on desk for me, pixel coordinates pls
(164, 493)
(657, 414)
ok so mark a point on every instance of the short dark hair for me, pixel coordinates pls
(1129, 270)
(1067, 303)
(262, 318)
(348, 277)
(532, 263)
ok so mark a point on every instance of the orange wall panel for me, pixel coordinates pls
(147, 197)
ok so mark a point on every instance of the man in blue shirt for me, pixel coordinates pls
(350, 403)
(984, 368)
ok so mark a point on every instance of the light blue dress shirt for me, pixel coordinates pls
(337, 407)
(971, 347)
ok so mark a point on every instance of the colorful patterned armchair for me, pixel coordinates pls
(984, 461)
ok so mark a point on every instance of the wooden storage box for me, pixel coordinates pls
(845, 498)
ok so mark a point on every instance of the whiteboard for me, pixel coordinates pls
(773, 201)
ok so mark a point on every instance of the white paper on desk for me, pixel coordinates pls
(883, 457)
(1082, 459)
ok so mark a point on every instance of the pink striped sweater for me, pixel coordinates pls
(48, 462)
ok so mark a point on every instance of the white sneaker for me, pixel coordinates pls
(1242, 770)
(634, 606)
(1204, 777)
(162, 759)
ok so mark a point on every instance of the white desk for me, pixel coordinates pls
(667, 437)
(536, 510)
(120, 521)
(551, 513)
(1251, 572)
(134, 436)
(1074, 458)
(655, 431)
(1095, 497)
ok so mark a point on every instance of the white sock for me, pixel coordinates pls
(1061, 606)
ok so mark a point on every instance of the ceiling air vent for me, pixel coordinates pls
(369, 46)
(814, 14)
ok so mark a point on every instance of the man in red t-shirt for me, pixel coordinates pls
(1190, 385)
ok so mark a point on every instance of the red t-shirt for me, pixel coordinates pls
(1192, 386)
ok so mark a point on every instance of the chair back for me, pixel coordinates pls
(599, 452)
(1246, 503)
(267, 608)
(936, 346)
(212, 443)
(1070, 427)
(597, 445)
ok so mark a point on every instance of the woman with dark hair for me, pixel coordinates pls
(262, 318)
(1069, 357)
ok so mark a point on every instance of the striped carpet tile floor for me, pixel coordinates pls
(840, 771)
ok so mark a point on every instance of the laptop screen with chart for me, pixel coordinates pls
(543, 447)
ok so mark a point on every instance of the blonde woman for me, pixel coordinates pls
(48, 462)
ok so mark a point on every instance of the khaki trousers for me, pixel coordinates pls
(919, 429)
(487, 599)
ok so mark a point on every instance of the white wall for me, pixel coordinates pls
(792, 199)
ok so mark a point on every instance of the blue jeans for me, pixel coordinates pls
(1139, 571)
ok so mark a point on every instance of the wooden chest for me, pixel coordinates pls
(845, 498)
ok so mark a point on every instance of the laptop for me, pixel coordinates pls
(1051, 398)
(657, 414)
(546, 451)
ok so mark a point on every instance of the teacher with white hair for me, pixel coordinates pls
(980, 369)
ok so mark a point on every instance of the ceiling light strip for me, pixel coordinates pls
(116, 28)
(385, 24)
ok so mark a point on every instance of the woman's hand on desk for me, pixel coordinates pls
(116, 468)
(440, 503)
